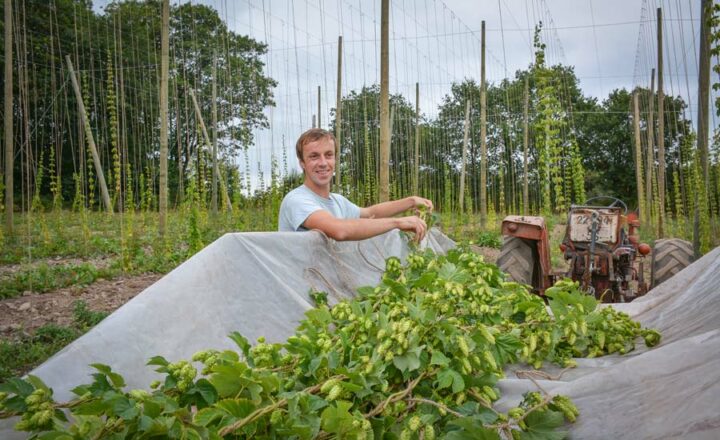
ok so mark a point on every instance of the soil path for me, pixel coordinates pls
(21, 316)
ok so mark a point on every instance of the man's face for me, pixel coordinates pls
(319, 161)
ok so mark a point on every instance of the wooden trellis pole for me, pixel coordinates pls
(318, 109)
(466, 136)
(483, 131)
(526, 191)
(638, 155)
(704, 86)
(416, 162)
(164, 73)
(338, 114)
(90, 139)
(661, 127)
(384, 183)
(214, 199)
(650, 149)
(8, 127)
(208, 142)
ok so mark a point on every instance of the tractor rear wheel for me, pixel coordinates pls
(517, 259)
(669, 257)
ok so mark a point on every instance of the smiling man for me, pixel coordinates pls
(313, 206)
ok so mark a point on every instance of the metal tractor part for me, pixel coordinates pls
(602, 247)
(604, 251)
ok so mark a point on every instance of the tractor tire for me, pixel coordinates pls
(669, 257)
(517, 260)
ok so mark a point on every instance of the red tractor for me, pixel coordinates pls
(602, 248)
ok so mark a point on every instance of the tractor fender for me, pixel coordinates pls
(534, 229)
(531, 228)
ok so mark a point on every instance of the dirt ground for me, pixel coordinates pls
(490, 254)
(24, 314)
(21, 316)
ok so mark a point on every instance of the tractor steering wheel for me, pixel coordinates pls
(615, 202)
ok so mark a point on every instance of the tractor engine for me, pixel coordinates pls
(602, 255)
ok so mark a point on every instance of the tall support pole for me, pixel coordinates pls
(198, 114)
(8, 117)
(89, 138)
(661, 127)
(416, 162)
(181, 186)
(703, 111)
(164, 74)
(392, 120)
(466, 136)
(650, 149)
(483, 131)
(704, 86)
(318, 110)
(638, 155)
(203, 128)
(526, 190)
(384, 181)
(214, 200)
(338, 114)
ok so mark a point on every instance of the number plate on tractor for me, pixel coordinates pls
(581, 225)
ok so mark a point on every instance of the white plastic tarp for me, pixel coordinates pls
(257, 284)
(671, 391)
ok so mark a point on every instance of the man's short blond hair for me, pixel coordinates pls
(312, 135)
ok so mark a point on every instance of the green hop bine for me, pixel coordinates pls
(416, 356)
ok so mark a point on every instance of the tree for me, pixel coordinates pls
(605, 136)
(117, 54)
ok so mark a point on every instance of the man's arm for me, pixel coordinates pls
(362, 228)
(395, 207)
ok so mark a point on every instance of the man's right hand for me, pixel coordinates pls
(414, 224)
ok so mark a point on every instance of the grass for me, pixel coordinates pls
(85, 319)
(22, 355)
(19, 357)
(66, 234)
(491, 239)
(44, 278)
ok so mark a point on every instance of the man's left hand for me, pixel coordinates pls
(421, 202)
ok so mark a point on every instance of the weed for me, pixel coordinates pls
(84, 317)
(43, 278)
(489, 239)
(20, 356)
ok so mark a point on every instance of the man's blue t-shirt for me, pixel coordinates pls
(299, 203)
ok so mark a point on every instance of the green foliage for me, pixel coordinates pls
(36, 204)
(489, 239)
(713, 16)
(18, 357)
(84, 317)
(27, 351)
(552, 118)
(2, 207)
(417, 356)
(318, 298)
(55, 183)
(45, 277)
(115, 176)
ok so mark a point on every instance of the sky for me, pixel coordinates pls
(611, 44)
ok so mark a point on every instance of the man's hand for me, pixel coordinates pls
(421, 203)
(414, 224)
